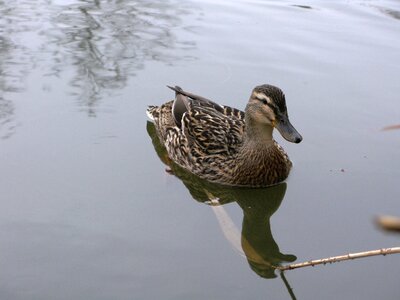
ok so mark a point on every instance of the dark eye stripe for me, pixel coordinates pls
(274, 108)
(270, 105)
(264, 101)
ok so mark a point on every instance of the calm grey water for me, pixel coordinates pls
(87, 209)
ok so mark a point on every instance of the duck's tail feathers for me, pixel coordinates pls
(176, 88)
(152, 112)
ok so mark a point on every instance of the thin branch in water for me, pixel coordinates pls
(288, 287)
(323, 261)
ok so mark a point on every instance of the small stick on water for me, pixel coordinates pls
(288, 287)
(312, 263)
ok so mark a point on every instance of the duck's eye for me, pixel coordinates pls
(265, 102)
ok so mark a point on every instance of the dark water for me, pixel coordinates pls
(87, 209)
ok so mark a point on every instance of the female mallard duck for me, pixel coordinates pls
(223, 144)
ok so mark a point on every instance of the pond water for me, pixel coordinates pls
(87, 208)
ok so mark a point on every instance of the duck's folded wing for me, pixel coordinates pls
(210, 132)
(196, 100)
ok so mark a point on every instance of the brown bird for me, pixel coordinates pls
(223, 144)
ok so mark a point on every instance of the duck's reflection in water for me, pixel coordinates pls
(256, 240)
(258, 244)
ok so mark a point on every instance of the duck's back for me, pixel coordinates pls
(207, 136)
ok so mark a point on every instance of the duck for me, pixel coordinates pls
(225, 145)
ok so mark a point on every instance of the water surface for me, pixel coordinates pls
(88, 210)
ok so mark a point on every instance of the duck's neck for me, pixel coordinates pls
(259, 161)
(258, 133)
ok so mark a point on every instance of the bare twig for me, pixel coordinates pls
(233, 235)
(288, 287)
(383, 251)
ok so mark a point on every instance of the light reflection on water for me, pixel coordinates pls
(96, 45)
(106, 42)
(87, 196)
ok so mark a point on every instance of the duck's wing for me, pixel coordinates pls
(185, 101)
(196, 99)
(197, 131)
(233, 112)
(211, 132)
(207, 137)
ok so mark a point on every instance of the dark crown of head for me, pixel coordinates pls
(273, 92)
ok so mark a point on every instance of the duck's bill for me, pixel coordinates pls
(287, 130)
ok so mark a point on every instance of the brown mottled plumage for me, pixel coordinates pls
(223, 144)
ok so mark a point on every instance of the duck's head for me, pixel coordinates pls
(267, 107)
